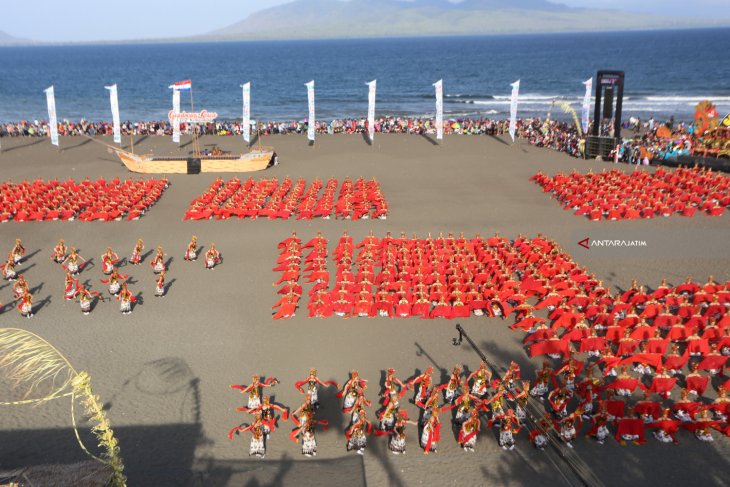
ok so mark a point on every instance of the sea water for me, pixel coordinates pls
(667, 73)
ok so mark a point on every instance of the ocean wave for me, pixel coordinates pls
(697, 99)
(462, 95)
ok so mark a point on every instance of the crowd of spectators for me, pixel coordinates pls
(640, 146)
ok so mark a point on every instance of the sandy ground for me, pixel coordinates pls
(164, 371)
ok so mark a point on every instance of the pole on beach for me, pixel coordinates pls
(311, 118)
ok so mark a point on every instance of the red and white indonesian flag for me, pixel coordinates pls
(52, 120)
(371, 109)
(311, 129)
(439, 85)
(114, 100)
(182, 85)
(513, 109)
(175, 109)
(247, 112)
(586, 104)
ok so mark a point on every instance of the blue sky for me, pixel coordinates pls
(89, 20)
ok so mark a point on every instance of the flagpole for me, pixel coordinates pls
(196, 145)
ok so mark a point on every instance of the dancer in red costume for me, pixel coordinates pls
(158, 261)
(357, 434)
(59, 252)
(109, 259)
(351, 390)
(258, 436)
(310, 386)
(126, 299)
(17, 252)
(86, 298)
(25, 306)
(160, 285)
(115, 282)
(74, 263)
(212, 257)
(191, 252)
(136, 257)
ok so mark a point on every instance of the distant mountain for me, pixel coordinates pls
(7, 40)
(322, 19)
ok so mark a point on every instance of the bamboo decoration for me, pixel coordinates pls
(30, 362)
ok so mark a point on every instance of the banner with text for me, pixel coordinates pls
(114, 100)
(176, 109)
(513, 109)
(439, 109)
(52, 120)
(247, 112)
(586, 104)
(371, 109)
(311, 128)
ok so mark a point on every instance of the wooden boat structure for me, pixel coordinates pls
(257, 160)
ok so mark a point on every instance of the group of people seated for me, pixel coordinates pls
(399, 277)
(671, 344)
(361, 199)
(615, 195)
(87, 200)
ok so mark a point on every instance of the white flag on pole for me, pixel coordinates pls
(311, 129)
(115, 113)
(439, 109)
(513, 109)
(586, 104)
(371, 109)
(247, 112)
(176, 109)
(52, 120)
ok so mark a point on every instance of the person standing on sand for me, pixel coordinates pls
(136, 257)
(108, 260)
(59, 252)
(25, 306)
(212, 257)
(8, 267)
(254, 389)
(125, 299)
(191, 253)
(357, 434)
(160, 285)
(18, 251)
(258, 437)
(85, 299)
(312, 383)
(158, 261)
(71, 264)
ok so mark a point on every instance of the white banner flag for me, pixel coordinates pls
(311, 129)
(439, 109)
(371, 109)
(513, 109)
(52, 120)
(175, 121)
(114, 100)
(586, 104)
(247, 112)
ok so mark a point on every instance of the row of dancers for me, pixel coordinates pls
(73, 264)
(268, 198)
(477, 399)
(445, 277)
(615, 195)
(87, 200)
